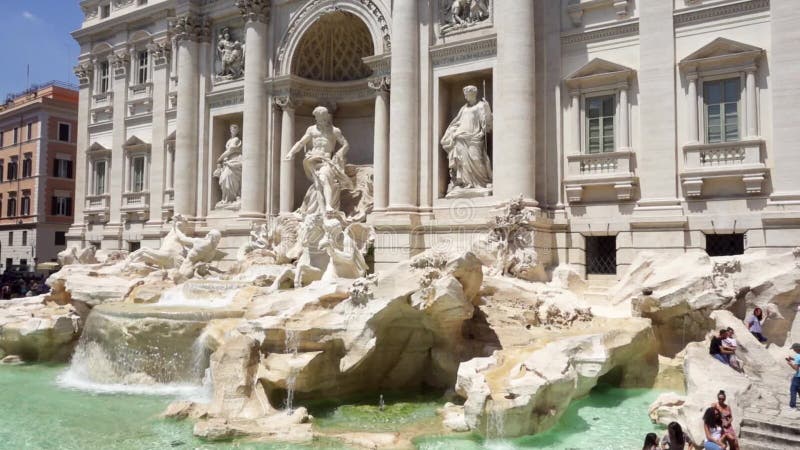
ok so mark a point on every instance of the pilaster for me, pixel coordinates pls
(380, 171)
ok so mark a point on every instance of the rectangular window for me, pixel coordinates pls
(600, 124)
(601, 255)
(105, 11)
(61, 238)
(133, 246)
(12, 170)
(137, 174)
(99, 177)
(61, 206)
(10, 238)
(2, 164)
(142, 67)
(16, 135)
(721, 100)
(9, 263)
(2, 133)
(62, 168)
(25, 206)
(23, 265)
(24, 238)
(27, 165)
(63, 132)
(30, 131)
(725, 244)
(11, 209)
(103, 79)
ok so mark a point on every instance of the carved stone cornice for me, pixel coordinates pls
(285, 102)
(254, 10)
(380, 84)
(701, 14)
(605, 33)
(461, 51)
(192, 27)
(83, 72)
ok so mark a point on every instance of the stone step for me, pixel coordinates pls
(747, 444)
(770, 437)
(591, 296)
(772, 424)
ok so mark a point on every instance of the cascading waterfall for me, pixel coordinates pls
(291, 343)
(123, 351)
(495, 430)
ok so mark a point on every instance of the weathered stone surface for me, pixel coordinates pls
(37, 330)
(529, 387)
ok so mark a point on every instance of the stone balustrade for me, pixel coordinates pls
(588, 170)
(742, 160)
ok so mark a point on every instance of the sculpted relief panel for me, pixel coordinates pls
(230, 56)
(460, 14)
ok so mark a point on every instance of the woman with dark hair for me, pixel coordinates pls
(754, 324)
(675, 439)
(650, 442)
(712, 425)
(727, 420)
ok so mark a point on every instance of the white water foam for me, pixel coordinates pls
(177, 296)
(73, 379)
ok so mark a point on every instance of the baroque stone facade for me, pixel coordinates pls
(625, 125)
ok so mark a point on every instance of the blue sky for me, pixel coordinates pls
(36, 32)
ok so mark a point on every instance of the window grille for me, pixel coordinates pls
(601, 255)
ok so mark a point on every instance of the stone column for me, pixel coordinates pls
(575, 123)
(657, 161)
(380, 158)
(159, 58)
(118, 67)
(287, 141)
(189, 30)
(83, 178)
(254, 126)
(785, 87)
(515, 104)
(404, 108)
(694, 127)
(624, 136)
(752, 107)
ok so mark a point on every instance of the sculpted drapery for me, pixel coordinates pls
(465, 142)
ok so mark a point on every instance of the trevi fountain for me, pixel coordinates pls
(296, 338)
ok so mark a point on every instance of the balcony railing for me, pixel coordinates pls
(97, 206)
(741, 159)
(600, 169)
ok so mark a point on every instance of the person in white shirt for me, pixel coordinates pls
(730, 342)
(754, 322)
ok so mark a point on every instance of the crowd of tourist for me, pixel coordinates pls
(723, 346)
(15, 287)
(674, 439)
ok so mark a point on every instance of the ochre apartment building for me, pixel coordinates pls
(37, 154)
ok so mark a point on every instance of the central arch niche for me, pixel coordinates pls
(332, 48)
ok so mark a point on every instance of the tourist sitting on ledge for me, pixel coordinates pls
(727, 420)
(676, 439)
(731, 343)
(719, 350)
(712, 425)
(754, 322)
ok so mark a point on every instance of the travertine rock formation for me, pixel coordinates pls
(37, 330)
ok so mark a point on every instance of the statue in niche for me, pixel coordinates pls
(465, 142)
(231, 55)
(229, 171)
(463, 13)
(323, 164)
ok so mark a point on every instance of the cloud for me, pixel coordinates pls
(27, 15)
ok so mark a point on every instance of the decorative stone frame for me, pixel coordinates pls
(377, 20)
(97, 206)
(140, 95)
(617, 168)
(577, 8)
(136, 204)
(102, 105)
(743, 159)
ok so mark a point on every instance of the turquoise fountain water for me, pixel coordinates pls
(38, 413)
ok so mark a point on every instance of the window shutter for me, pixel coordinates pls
(54, 206)
(55, 167)
(69, 169)
(69, 206)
